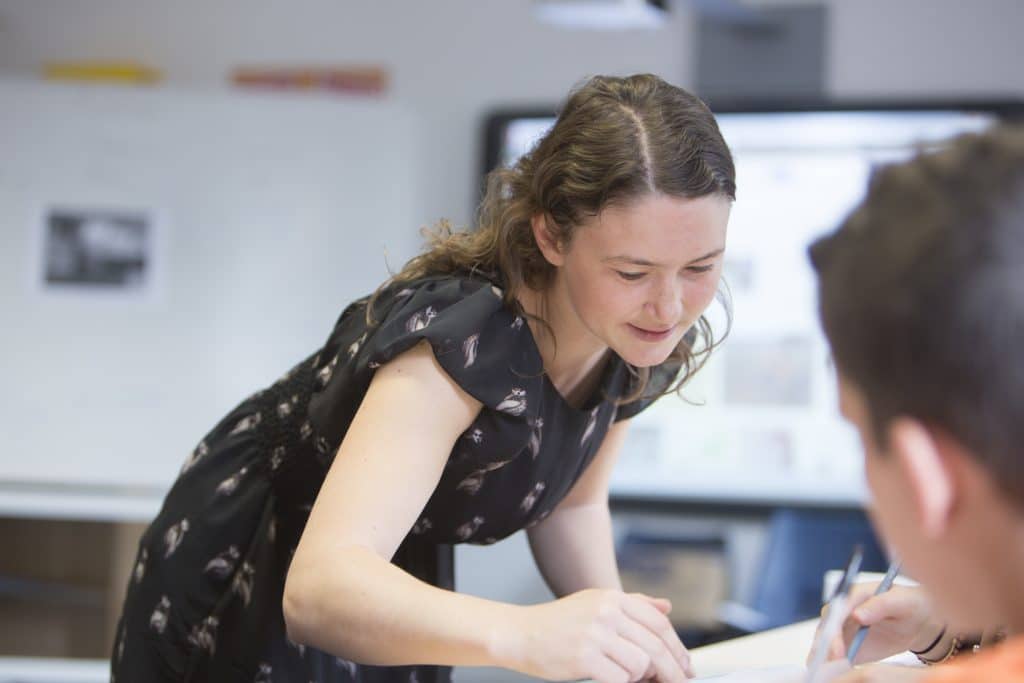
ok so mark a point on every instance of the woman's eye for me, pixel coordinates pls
(700, 269)
(631, 277)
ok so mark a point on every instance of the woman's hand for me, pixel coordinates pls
(605, 635)
(900, 619)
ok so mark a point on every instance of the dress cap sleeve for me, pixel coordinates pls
(482, 345)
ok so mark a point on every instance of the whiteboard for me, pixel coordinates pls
(267, 214)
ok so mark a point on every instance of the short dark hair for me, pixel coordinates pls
(921, 296)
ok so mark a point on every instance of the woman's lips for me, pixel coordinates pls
(651, 335)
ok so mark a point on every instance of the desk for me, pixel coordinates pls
(783, 646)
(778, 647)
(775, 649)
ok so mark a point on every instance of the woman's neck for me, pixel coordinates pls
(573, 357)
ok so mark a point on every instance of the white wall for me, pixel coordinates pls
(271, 213)
(925, 47)
(453, 59)
(449, 59)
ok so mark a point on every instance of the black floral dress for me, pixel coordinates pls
(204, 599)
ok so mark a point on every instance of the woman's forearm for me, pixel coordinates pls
(574, 549)
(367, 610)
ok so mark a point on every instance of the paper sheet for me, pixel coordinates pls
(776, 674)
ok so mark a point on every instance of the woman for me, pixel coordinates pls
(485, 388)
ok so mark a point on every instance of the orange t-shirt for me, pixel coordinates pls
(1000, 664)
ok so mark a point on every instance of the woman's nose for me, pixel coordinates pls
(667, 305)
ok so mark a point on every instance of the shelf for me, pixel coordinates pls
(85, 502)
(53, 670)
(62, 584)
(60, 593)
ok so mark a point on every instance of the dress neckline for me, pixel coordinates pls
(597, 397)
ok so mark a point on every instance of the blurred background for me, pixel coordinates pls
(191, 192)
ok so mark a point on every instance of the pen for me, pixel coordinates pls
(890, 575)
(834, 617)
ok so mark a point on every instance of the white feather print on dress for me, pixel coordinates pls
(535, 436)
(140, 566)
(276, 458)
(173, 537)
(354, 347)
(230, 485)
(531, 498)
(245, 424)
(422, 526)
(517, 322)
(158, 619)
(204, 635)
(298, 646)
(465, 531)
(224, 563)
(120, 643)
(472, 482)
(591, 423)
(323, 446)
(243, 582)
(345, 665)
(514, 402)
(324, 374)
(263, 675)
(420, 319)
(469, 349)
(195, 456)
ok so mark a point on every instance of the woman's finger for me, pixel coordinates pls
(657, 623)
(666, 666)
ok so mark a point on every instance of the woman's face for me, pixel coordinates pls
(638, 276)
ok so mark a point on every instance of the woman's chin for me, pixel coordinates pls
(646, 358)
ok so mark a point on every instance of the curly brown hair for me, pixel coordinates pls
(614, 141)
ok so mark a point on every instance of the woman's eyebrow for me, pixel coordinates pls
(625, 258)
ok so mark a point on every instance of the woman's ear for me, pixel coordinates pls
(929, 472)
(546, 241)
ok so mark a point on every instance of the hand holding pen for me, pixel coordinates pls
(898, 619)
(832, 618)
(862, 632)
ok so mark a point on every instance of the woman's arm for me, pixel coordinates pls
(574, 548)
(342, 593)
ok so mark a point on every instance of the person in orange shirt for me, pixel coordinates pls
(921, 296)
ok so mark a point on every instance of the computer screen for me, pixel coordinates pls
(760, 423)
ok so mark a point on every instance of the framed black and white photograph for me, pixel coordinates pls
(98, 251)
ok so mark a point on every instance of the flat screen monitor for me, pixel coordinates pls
(760, 423)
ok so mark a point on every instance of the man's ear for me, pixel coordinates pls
(929, 472)
(546, 241)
